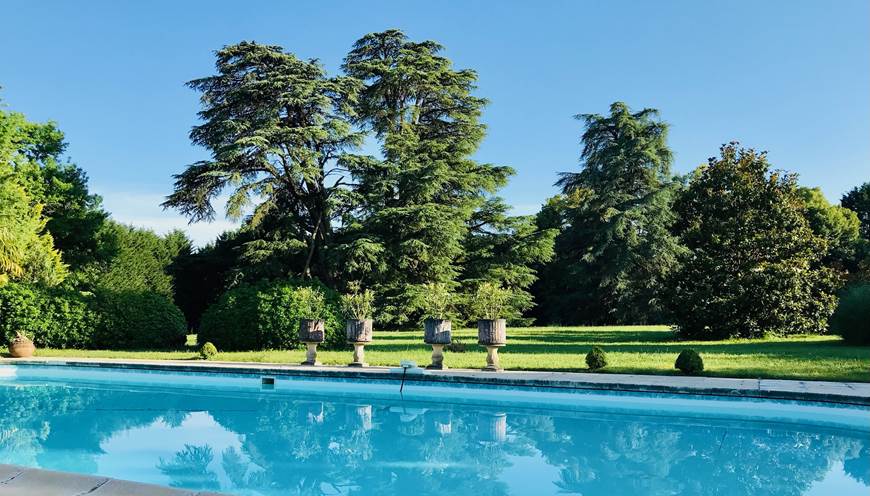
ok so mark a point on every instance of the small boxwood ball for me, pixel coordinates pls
(596, 358)
(208, 351)
(689, 362)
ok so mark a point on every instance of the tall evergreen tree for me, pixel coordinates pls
(276, 128)
(615, 248)
(414, 203)
(858, 200)
(753, 265)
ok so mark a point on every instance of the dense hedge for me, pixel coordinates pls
(51, 317)
(138, 320)
(852, 317)
(66, 318)
(266, 315)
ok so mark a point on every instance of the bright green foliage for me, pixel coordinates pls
(358, 305)
(275, 128)
(134, 259)
(753, 266)
(858, 201)
(596, 359)
(490, 301)
(312, 302)
(138, 320)
(837, 225)
(851, 319)
(53, 317)
(265, 315)
(615, 249)
(436, 301)
(689, 362)
(414, 205)
(208, 351)
(74, 215)
(27, 253)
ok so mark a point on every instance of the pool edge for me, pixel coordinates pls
(779, 389)
(15, 478)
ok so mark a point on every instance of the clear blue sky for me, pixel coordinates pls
(790, 77)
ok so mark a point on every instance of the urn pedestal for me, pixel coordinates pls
(359, 334)
(437, 333)
(312, 333)
(493, 335)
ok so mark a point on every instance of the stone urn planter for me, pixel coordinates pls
(437, 332)
(21, 346)
(493, 335)
(359, 333)
(312, 333)
(493, 427)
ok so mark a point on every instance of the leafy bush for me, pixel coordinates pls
(490, 302)
(689, 362)
(436, 301)
(359, 305)
(53, 317)
(207, 351)
(596, 358)
(138, 320)
(312, 302)
(851, 320)
(265, 315)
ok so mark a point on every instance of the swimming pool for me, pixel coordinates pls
(248, 434)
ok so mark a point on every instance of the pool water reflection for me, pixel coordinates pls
(262, 444)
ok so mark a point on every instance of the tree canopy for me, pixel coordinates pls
(753, 265)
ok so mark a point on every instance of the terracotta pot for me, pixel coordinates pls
(359, 331)
(437, 331)
(492, 332)
(311, 330)
(21, 347)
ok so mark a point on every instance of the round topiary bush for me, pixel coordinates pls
(689, 362)
(207, 351)
(266, 315)
(138, 320)
(596, 358)
(52, 317)
(851, 319)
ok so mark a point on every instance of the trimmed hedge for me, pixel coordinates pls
(51, 317)
(266, 315)
(851, 319)
(689, 362)
(138, 320)
(596, 358)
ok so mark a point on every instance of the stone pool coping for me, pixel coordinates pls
(21, 481)
(855, 393)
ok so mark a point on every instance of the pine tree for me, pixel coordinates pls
(615, 248)
(414, 203)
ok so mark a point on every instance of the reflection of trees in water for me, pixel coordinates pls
(312, 447)
(189, 468)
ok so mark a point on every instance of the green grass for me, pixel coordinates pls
(630, 349)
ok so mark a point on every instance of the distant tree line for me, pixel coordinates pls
(734, 248)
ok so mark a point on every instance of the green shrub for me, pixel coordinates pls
(359, 305)
(689, 362)
(207, 351)
(138, 320)
(851, 320)
(596, 358)
(312, 302)
(53, 317)
(490, 302)
(266, 315)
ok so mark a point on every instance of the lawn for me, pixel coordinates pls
(630, 349)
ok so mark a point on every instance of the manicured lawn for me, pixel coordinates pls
(630, 349)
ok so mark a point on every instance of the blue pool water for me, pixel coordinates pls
(335, 437)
